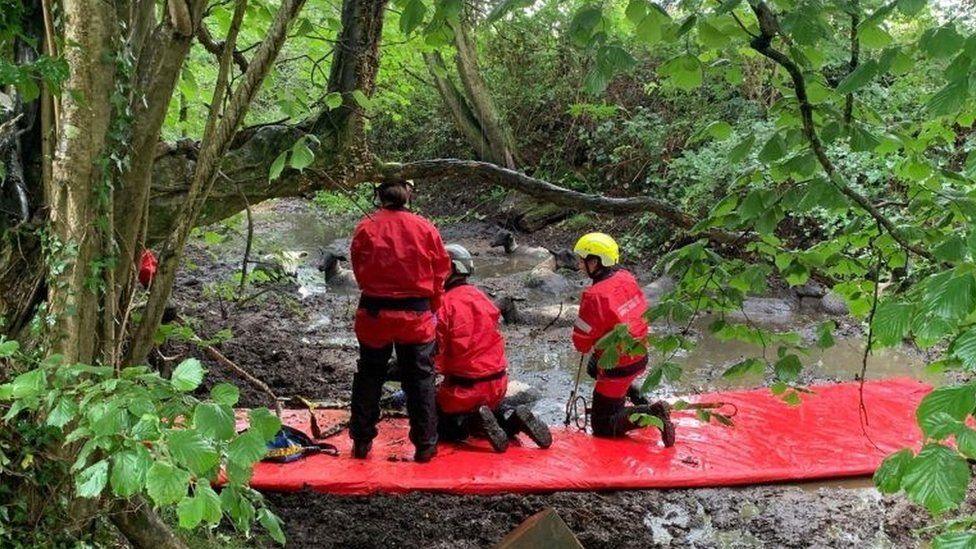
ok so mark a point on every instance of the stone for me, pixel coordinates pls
(834, 304)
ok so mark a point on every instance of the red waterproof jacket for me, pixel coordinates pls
(614, 300)
(470, 347)
(398, 254)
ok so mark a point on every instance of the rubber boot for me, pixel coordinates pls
(361, 448)
(634, 395)
(661, 410)
(492, 430)
(526, 422)
(424, 454)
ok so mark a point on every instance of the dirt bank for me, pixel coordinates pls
(298, 339)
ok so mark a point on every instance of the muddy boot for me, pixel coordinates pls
(527, 423)
(361, 448)
(493, 431)
(662, 410)
(425, 454)
(635, 397)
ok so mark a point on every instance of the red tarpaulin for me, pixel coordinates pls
(770, 442)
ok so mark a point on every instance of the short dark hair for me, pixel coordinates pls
(395, 193)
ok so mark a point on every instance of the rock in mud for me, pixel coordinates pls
(811, 289)
(833, 304)
(765, 309)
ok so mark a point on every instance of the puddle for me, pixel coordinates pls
(497, 266)
(551, 366)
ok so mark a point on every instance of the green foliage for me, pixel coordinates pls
(132, 437)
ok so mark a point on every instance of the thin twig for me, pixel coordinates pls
(216, 355)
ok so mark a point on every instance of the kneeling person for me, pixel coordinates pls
(613, 299)
(471, 357)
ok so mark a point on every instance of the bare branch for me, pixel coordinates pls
(217, 47)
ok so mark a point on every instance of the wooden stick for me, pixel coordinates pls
(219, 357)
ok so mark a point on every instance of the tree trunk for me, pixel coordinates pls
(77, 192)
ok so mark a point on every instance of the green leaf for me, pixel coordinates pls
(215, 421)
(166, 484)
(272, 524)
(636, 11)
(964, 348)
(711, 37)
(889, 474)
(28, 384)
(911, 7)
(951, 98)
(720, 130)
(192, 451)
(91, 481)
(225, 393)
(942, 42)
(671, 371)
(129, 469)
(653, 380)
(951, 294)
(301, 156)
(749, 365)
(277, 166)
(249, 447)
(873, 37)
(62, 413)
(412, 16)
(825, 334)
(684, 72)
(264, 422)
(958, 401)
(858, 78)
(584, 23)
(739, 152)
(333, 100)
(360, 98)
(955, 540)
(937, 478)
(773, 150)
(187, 376)
(788, 368)
(8, 348)
(190, 512)
(892, 320)
(211, 503)
(237, 507)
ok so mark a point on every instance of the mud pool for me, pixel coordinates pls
(299, 340)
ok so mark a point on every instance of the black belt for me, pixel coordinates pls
(373, 305)
(462, 381)
(625, 370)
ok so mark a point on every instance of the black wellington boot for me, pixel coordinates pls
(527, 423)
(635, 397)
(361, 448)
(489, 424)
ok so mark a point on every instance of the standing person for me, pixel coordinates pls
(613, 299)
(400, 265)
(471, 357)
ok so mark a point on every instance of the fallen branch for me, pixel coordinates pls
(487, 172)
(262, 386)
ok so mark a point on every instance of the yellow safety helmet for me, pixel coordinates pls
(600, 245)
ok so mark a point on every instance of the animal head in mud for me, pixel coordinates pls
(505, 239)
(565, 259)
(330, 264)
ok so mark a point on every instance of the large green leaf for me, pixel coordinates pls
(937, 478)
(951, 98)
(788, 368)
(412, 16)
(964, 348)
(892, 320)
(190, 512)
(129, 469)
(225, 393)
(951, 294)
(264, 422)
(90, 481)
(166, 484)
(858, 78)
(774, 149)
(958, 401)
(188, 375)
(214, 420)
(272, 524)
(684, 71)
(247, 448)
(889, 474)
(192, 451)
(955, 540)
(739, 152)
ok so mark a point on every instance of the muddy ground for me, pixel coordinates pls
(298, 339)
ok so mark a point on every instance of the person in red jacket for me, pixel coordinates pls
(400, 265)
(614, 298)
(471, 357)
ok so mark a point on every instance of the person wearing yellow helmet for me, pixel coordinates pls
(614, 298)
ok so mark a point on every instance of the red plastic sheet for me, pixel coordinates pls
(770, 442)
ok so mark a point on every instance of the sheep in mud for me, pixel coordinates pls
(335, 274)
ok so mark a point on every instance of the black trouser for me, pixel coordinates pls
(610, 418)
(416, 365)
